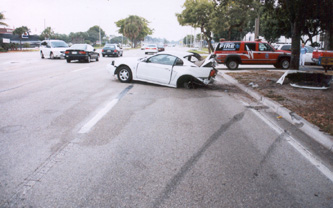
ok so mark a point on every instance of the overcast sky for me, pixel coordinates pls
(65, 16)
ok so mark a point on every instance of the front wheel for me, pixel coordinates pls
(124, 74)
(42, 55)
(88, 59)
(51, 56)
(232, 64)
(68, 60)
(285, 63)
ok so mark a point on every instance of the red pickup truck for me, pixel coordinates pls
(323, 58)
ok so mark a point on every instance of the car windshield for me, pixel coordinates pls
(59, 44)
(110, 46)
(79, 47)
(152, 46)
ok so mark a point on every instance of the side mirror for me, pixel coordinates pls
(179, 62)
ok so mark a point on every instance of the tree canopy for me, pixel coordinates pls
(2, 17)
(199, 14)
(94, 33)
(135, 28)
(296, 18)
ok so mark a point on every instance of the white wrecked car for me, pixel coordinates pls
(172, 69)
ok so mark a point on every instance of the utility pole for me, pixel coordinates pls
(256, 30)
(100, 41)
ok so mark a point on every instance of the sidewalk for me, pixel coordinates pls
(306, 127)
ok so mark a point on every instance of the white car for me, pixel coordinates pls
(167, 69)
(53, 49)
(151, 48)
(308, 55)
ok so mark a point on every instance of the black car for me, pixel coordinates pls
(112, 50)
(81, 52)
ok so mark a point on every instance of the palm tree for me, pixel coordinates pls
(2, 17)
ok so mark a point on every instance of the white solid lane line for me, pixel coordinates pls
(101, 113)
(81, 69)
(300, 148)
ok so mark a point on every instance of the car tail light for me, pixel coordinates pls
(154, 48)
(115, 51)
(102, 50)
(147, 48)
(67, 52)
(212, 73)
(82, 52)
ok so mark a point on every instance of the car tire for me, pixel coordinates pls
(103, 55)
(88, 59)
(51, 55)
(42, 55)
(284, 63)
(68, 61)
(232, 64)
(189, 84)
(97, 59)
(124, 74)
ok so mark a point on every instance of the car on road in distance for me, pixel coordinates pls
(53, 49)
(233, 53)
(151, 48)
(308, 55)
(171, 69)
(160, 48)
(81, 52)
(112, 50)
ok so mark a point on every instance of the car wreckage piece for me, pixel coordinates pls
(317, 81)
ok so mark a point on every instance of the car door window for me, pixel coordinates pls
(286, 48)
(265, 47)
(162, 59)
(250, 46)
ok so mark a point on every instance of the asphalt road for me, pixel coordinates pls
(73, 136)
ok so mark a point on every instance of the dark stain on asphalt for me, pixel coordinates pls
(174, 182)
(268, 153)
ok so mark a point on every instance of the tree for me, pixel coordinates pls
(233, 19)
(48, 33)
(119, 40)
(135, 28)
(188, 40)
(21, 31)
(78, 37)
(199, 14)
(2, 17)
(273, 22)
(94, 33)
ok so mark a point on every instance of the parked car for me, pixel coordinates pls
(53, 49)
(160, 48)
(168, 69)
(151, 48)
(233, 53)
(81, 52)
(112, 50)
(308, 55)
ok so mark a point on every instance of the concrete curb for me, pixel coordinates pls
(308, 128)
